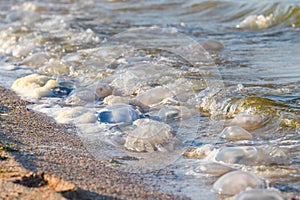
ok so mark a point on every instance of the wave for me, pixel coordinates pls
(281, 14)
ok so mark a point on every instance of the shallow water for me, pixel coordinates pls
(188, 69)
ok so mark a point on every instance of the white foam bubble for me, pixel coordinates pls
(256, 22)
(34, 86)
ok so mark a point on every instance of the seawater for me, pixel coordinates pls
(198, 88)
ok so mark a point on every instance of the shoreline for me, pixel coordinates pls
(41, 157)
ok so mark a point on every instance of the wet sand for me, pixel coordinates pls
(40, 159)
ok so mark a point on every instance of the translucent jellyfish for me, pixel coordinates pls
(235, 133)
(112, 99)
(261, 194)
(248, 121)
(22, 50)
(274, 154)
(128, 82)
(174, 112)
(117, 113)
(183, 88)
(36, 59)
(55, 66)
(153, 96)
(81, 97)
(75, 115)
(212, 45)
(246, 155)
(234, 182)
(213, 168)
(149, 136)
(103, 90)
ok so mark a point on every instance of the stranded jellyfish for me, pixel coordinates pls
(213, 168)
(153, 96)
(117, 113)
(149, 136)
(234, 182)
(174, 112)
(248, 121)
(235, 133)
(246, 155)
(262, 194)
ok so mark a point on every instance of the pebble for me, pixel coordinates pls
(261, 194)
(117, 113)
(235, 133)
(246, 155)
(149, 136)
(234, 182)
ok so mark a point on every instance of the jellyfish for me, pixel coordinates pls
(234, 182)
(117, 113)
(149, 136)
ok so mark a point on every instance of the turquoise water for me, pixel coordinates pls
(216, 60)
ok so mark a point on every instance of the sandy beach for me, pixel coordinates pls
(40, 159)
